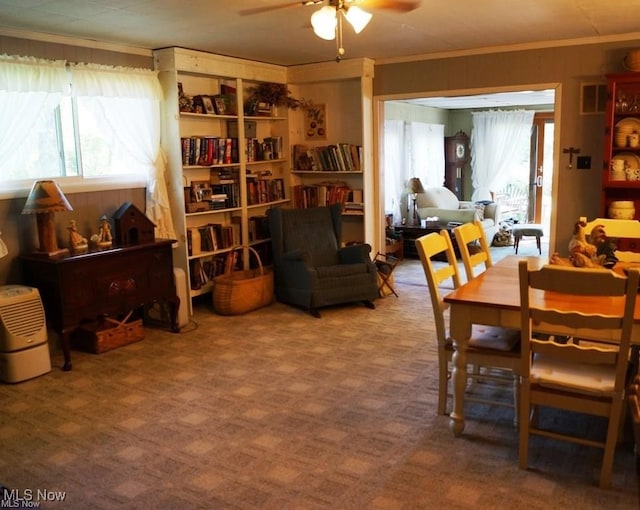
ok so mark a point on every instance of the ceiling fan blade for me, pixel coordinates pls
(394, 5)
(260, 10)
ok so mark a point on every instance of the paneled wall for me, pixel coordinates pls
(566, 68)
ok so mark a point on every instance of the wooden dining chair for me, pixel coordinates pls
(583, 378)
(493, 349)
(473, 246)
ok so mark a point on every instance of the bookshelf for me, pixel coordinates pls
(342, 154)
(226, 167)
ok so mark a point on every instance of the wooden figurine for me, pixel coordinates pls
(104, 235)
(77, 242)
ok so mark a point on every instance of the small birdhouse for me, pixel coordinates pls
(132, 226)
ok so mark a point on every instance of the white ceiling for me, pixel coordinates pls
(284, 36)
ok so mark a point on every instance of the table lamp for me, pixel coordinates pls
(415, 187)
(45, 199)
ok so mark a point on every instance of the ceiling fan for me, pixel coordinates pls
(327, 21)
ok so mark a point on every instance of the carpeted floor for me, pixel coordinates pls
(279, 410)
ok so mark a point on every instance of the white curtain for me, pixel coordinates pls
(495, 142)
(426, 145)
(128, 103)
(411, 149)
(29, 88)
(394, 180)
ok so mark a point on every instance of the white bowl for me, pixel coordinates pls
(622, 210)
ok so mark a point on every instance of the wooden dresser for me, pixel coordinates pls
(84, 287)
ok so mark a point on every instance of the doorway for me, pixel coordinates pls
(538, 156)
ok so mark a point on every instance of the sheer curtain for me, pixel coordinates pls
(411, 149)
(393, 166)
(29, 88)
(494, 148)
(426, 145)
(127, 102)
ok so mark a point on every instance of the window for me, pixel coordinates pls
(80, 123)
(77, 122)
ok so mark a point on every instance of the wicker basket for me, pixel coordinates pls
(107, 334)
(238, 292)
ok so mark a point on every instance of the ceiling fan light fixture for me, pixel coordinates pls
(324, 23)
(358, 18)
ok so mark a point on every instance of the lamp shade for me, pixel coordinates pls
(324, 22)
(415, 186)
(45, 197)
(358, 18)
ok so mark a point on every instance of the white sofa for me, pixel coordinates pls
(441, 202)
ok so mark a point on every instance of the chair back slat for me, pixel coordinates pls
(575, 353)
(469, 234)
(578, 281)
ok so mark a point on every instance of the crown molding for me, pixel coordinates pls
(75, 41)
(634, 36)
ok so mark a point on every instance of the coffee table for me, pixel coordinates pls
(411, 232)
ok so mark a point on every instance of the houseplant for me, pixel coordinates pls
(265, 96)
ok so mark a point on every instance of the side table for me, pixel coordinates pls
(412, 232)
(84, 287)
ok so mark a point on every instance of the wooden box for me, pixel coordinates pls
(107, 334)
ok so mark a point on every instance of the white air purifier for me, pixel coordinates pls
(24, 351)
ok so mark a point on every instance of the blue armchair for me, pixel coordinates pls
(311, 269)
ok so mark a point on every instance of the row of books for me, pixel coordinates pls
(263, 191)
(264, 150)
(320, 195)
(212, 237)
(203, 271)
(341, 157)
(209, 150)
(227, 195)
(232, 192)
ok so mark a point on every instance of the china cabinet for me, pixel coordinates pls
(621, 154)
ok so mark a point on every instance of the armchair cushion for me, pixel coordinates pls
(441, 197)
(321, 247)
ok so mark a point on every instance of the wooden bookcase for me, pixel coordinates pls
(344, 93)
(252, 185)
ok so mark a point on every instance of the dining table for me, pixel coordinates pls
(493, 298)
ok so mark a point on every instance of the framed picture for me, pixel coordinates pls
(220, 105)
(315, 122)
(208, 105)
